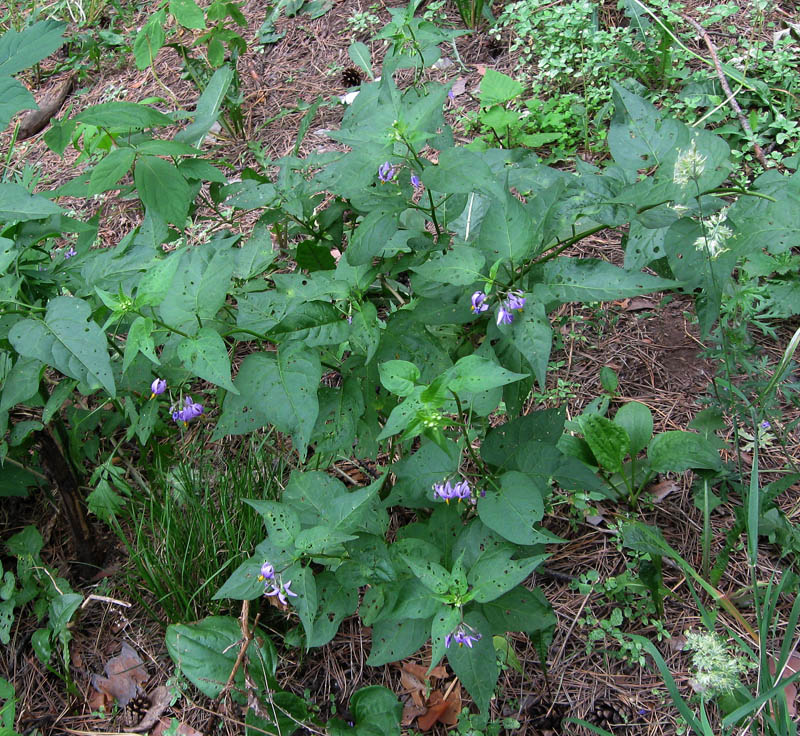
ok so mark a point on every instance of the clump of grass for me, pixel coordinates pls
(192, 529)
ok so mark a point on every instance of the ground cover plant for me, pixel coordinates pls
(359, 330)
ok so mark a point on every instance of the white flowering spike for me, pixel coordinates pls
(689, 166)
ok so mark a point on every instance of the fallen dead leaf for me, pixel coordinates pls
(441, 709)
(638, 303)
(183, 729)
(125, 674)
(677, 643)
(412, 711)
(659, 491)
(459, 87)
(790, 690)
(481, 69)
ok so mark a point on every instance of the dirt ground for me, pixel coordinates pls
(653, 346)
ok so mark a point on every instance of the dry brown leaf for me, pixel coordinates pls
(677, 643)
(124, 676)
(790, 690)
(659, 491)
(480, 68)
(450, 716)
(183, 729)
(421, 671)
(427, 721)
(459, 87)
(99, 702)
(159, 702)
(638, 303)
(412, 711)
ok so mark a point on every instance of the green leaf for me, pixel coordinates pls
(111, 169)
(476, 666)
(67, 340)
(431, 574)
(495, 573)
(461, 171)
(320, 540)
(508, 442)
(162, 189)
(339, 412)
(104, 502)
(17, 204)
(61, 610)
(371, 236)
(365, 334)
(591, 280)
(360, 56)
(417, 473)
(278, 390)
(460, 266)
(187, 13)
(519, 610)
(677, 451)
(22, 49)
(399, 376)
(123, 116)
(206, 652)
(377, 707)
(21, 383)
(281, 522)
(497, 88)
(609, 442)
(393, 640)
(208, 106)
(14, 97)
(156, 282)
(336, 602)
(206, 356)
(27, 543)
(43, 648)
(60, 394)
(532, 335)
(139, 340)
(506, 231)
(514, 511)
(256, 255)
(635, 418)
(149, 40)
(302, 583)
(473, 373)
(445, 621)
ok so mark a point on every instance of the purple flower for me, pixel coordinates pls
(451, 95)
(267, 572)
(479, 302)
(349, 319)
(462, 491)
(504, 316)
(444, 491)
(415, 182)
(765, 425)
(157, 387)
(281, 591)
(515, 300)
(464, 634)
(386, 172)
(70, 252)
(190, 411)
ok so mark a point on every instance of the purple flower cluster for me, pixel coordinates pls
(275, 586)
(190, 411)
(479, 302)
(464, 634)
(514, 300)
(70, 252)
(157, 387)
(386, 172)
(460, 491)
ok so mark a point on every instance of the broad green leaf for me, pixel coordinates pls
(206, 651)
(61, 610)
(22, 49)
(496, 573)
(505, 443)
(635, 418)
(243, 584)
(378, 707)
(399, 376)
(21, 383)
(393, 640)
(111, 169)
(405, 416)
(532, 335)
(149, 40)
(187, 13)
(371, 236)
(473, 373)
(279, 390)
(68, 340)
(162, 188)
(431, 574)
(476, 666)
(336, 602)
(319, 540)
(608, 441)
(17, 204)
(60, 394)
(365, 333)
(280, 520)
(43, 648)
(591, 280)
(28, 542)
(461, 266)
(305, 604)
(256, 255)
(506, 231)
(208, 106)
(123, 115)
(417, 473)
(360, 56)
(413, 601)
(678, 451)
(156, 282)
(514, 511)
(104, 502)
(14, 97)
(519, 610)
(498, 88)
(445, 621)
(461, 171)
(206, 356)
(139, 340)
(339, 412)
